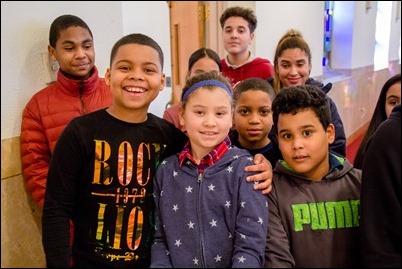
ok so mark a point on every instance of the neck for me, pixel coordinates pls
(238, 59)
(129, 115)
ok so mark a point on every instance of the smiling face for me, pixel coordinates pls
(304, 143)
(293, 67)
(135, 79)
(74, 52)
(207, 117)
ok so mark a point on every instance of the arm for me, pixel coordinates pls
(262, 165)
(60, 198)
(277, 251)
(251, 227)
(159, 250)
(35, 152)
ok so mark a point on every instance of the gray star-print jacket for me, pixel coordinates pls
(215, 219)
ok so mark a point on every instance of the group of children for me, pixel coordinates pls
(142, 193)
(103, 184)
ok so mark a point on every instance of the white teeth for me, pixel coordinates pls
(138, 90)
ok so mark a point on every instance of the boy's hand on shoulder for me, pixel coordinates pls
(264, 178)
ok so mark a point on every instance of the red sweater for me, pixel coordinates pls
(258, 67)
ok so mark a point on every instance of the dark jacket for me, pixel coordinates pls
(380, 219)
(271, 151)
(314, 224)
(214, 219)
(339, 145)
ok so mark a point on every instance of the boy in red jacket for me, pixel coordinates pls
(78, 90)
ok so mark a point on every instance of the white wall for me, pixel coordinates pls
(275, 18)
(364, 27)
(152, 19)
(25, 26)
(24, 36)
(395, 42)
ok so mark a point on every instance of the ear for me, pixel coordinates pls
(233, 120)
(163, 82)
(107, 76)
(252, 35)
(181, 114)
(331, 133)
(52, 52)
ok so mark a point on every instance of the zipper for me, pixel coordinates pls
(199, 217)
(81, 90)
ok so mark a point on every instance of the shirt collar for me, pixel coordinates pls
(250, 58)
(209, 159)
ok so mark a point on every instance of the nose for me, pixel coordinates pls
(293, 70)
(233, 35)
(136, 74)
(254, 119)
(209, 120)
(297, 143)
(80, 52)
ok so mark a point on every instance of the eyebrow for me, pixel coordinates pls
(72, 42)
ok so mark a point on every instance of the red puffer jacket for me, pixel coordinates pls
(45, 117)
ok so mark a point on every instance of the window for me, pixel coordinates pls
(382, 34)
(328, 20)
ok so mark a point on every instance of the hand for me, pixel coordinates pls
(264, 178)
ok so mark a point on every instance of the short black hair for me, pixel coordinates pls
(139, 39)
(203, 53)
(254, 84)
(63, 22)
(293, 99)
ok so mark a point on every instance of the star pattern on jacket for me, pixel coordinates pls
(191, 225)
(241, 259)
(213, 223)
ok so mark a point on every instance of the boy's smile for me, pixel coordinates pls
(135, 79)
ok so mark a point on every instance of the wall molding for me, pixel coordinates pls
(10, 157)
